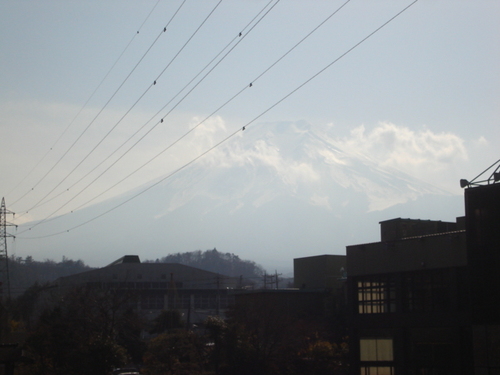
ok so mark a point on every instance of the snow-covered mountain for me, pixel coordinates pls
(276, 192)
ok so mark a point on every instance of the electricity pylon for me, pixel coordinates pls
(4, 256)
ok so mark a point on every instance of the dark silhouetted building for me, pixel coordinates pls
(161, 286)
(318, 292)
(319, 272)
(425, 300)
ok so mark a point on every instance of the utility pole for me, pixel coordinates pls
(4, 256)
(276, 274)
(271, 279)
(217, 297)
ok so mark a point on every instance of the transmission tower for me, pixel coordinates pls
(4, 257)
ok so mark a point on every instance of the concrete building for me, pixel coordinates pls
(161, 286)
(424, 300)
(318, 292)
(319, 272)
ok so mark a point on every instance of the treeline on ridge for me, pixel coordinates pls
(215, 261)
(23, 273)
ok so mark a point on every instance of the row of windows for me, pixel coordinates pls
(376, 296)
(418, 292)
(139, 276)
(137, 285)
(427, 292)
(196, 301)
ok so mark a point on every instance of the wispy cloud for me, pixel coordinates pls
(421, 153)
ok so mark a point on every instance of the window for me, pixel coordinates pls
(376, 355)
(152, 302)
(427, 291)
(376, 349)
(185, 301)
(377, 370)
(226, 301)
(435, 350)
(376, 295)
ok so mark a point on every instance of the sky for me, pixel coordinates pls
(81, 79)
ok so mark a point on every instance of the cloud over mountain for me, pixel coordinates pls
(274, 192)
(422, 153)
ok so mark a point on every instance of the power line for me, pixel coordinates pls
(140, 97)
(159, 122)
(78, 113)
(233, 133)
(96, 116)
(152, 117)
(196, 126)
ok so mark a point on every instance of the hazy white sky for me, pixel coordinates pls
(421, 95)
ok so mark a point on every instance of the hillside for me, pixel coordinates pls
(26, 272)
(227, 264)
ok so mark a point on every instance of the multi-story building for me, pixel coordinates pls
(425, 299)
(318, 281)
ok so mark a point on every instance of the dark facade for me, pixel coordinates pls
(287, 302)
(395, 229)
(424, 300)
(482, 208)
(318, 297)
(319, 272)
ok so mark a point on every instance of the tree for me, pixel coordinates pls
(322, 357)
(216, 329)
(214, 261)
(85, 332)
(167, 320)
(266, 336)
(24, 273)
(178, 352)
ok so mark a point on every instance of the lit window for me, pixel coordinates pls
(376, 296)
(376, 355)
(376, 349)
(377, 370)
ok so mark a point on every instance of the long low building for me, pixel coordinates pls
(161, 286)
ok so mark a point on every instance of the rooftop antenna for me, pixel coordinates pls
(493, 178)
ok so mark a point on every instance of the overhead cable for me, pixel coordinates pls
(154, 126)
(77, 114)
(225, 139)
(93, 120)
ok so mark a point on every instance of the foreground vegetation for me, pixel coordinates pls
(93, 331)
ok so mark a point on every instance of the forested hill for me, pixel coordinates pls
(25, 272)
(212, 260)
